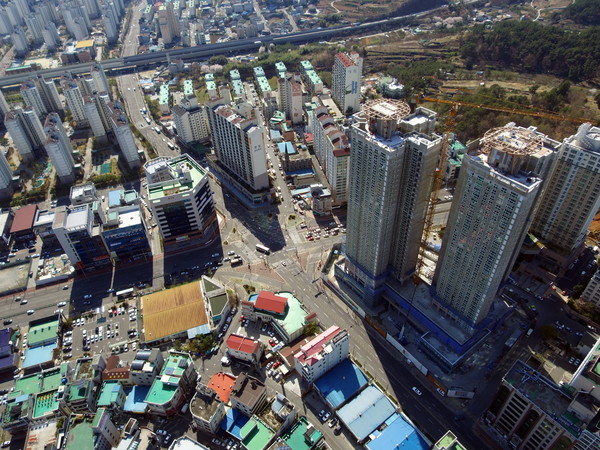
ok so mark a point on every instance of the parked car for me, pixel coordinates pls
(416, 391)
(30, 311)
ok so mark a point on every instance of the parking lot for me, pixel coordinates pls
(104, 333)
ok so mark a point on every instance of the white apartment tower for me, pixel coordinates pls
(239, 145)
(19, 40)
(51, 36)
(99, 77)
(74, 100)
(572, 195)
(347, 71)
(95, 120)
(389, 189)
(49, 94)
(290, 97)
(41, 95)
(492, 209)
(6, 174)
(333, 152)
(168, 23)
(4, 108)
(190, 118)
(124, 135)
(32, 97)
(322, 353)
(59, 148)
(26, 130)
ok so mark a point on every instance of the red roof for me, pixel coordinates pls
(268, 301)
(242, 344)
(24, 218)
(222, 384)
(344, 59)
(309, 353)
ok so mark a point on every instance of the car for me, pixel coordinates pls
(441, 392)
(5, 444)
(283, 263)
(416, 390)
(65, 287)
(326, 416)
(216, 441)
(338, 430)
(332, 423)
(30, 311)
(24, 301)
(216, 255)
(87, 303)
(68, 356)
(61, 304)
(7, 321)
(87, 296)
(161, 432)
(271, 342)
(322, 413)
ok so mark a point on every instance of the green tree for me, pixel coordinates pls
(67, 324)
(311, 329)
(549, 332)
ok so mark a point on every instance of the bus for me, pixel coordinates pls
(263, 249)
(124, 293)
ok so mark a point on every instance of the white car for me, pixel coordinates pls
(416, 391)
(30, 311)
(87, 296)
(59, 304)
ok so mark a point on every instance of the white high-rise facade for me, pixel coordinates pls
(99, 77)
(239, 145)
(59, 148)
(390, 183)
(124, 135)
(74, 100)
(6, 174)
(290, 97)
(4, 108)
(572, 195)
(493, 205)
(32, 97)
(347, 72)
(95, 120)
(26, 130)
(190, 120)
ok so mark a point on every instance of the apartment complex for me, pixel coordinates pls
(26, 131)
(493, 205)
(389, 189)
(572, 196)
(290, 97)
(190, 118)
(59, 149)
(347, 71)
(180, 198)
(74, 100)
(124, 135)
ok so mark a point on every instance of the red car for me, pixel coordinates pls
(271, 342)
(277, 364)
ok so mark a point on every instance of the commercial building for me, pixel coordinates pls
(83, 193)
(248, 394)
(146, 366)
(59, 149)
(347, 72)
(207, 410)
(332, 149)
(489, 218)
(174, 386)
(190, 118)
(244, 348)
(337, 394)
(125, 233)
(290, 97)
(124, 135)
(322, 353)
(571, 196)
(239, 145)
(389, 188)
(80, 238)
(21, 229)
(181, 200)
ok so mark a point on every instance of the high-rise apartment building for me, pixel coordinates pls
(94, 119)
(189, 117)
(26, 130)
(290, 96)
(168, 23)
(49, 94)
(571, 197)
(32, 97)
(51, 36)
(41, 95)
(99, 77)
(239, 145)
(4, 108)
(6, 174)
(333, 152)
(493, 205)
(19, 40)
(124, 135)
(181, 200)
(59, 149)
(74, 100)
(389, 188)
(322, 353)
(347, 71)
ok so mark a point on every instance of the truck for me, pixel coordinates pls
(236, 261)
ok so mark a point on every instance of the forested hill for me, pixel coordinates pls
(531, 47)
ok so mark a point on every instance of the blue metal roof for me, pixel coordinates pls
(366, 412)
(398, 434)
(136, 399)
(341, 383)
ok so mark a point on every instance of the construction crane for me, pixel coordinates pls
(441, 168)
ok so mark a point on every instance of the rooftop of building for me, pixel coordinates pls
(38, 355)
(256, 434)
(310, 353)
(24, 218)
(204, 406)
(43, 331)
(188, 87)
(136, 399)
(366, 412)
(186, 443)
(242, 344)
(42, 381)
(294, 317)
(173, 311)
(45, 403)
(398, 434)
(348, 60)
(164, 386)
(222, 383)
(109, 393)
(449, 442)
(84, 44)
(157, 191)
(80, 435)
(270, 302)
(341, 383)
(303, 435)
(248, 390)
(42, 437)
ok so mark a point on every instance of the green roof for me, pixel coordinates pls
(109, 393)
(52, 379)
(209, 286)
(238, 87)
(160, 393)
(448, 441)
(188, 87)
(80, 436)
(235, 75)
(263, 84)
(165, 385)
(172, 367)
(294, 319)
(43, 332)
(45, 403)
(209, 77)
(306, 65)
(295, 437)
(259, 71)
(99, 413)
(30, 384)
(77, 393)
(313, 77)
(255, 434)
(163, 95)
(217, 303)
(157, 191)
(280, 66)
